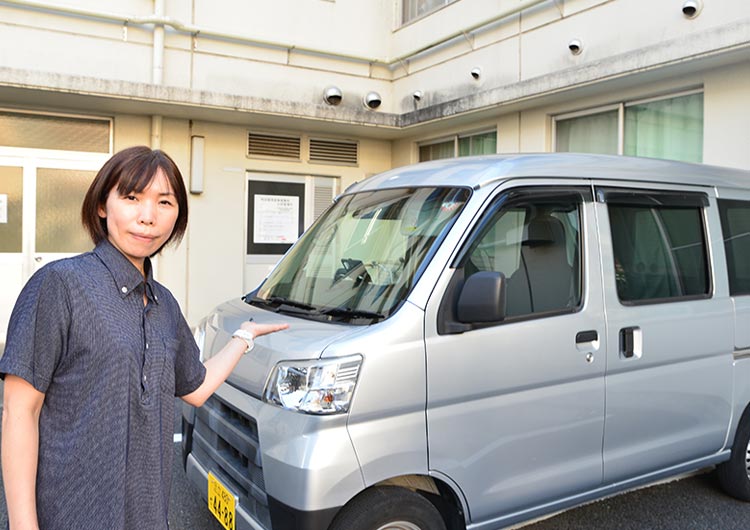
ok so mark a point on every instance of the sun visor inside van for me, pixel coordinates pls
(642, 197)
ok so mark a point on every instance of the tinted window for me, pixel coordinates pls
(735, 225)
(536, 245)
(660, 252)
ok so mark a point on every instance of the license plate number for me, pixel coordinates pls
(221, 503)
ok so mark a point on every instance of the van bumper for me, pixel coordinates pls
(282, 516)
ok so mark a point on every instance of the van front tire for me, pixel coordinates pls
(734, 474)
(389, 507)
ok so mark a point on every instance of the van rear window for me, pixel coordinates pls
(660, 252)
(735, 226)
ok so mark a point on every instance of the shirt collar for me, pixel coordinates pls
(125, 275)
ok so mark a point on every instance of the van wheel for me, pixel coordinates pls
(389, 508)
(734, 474)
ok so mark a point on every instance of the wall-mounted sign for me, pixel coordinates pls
(276, 219)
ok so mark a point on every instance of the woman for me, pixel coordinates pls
(95, 353)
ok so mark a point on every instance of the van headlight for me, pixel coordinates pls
(323, 386)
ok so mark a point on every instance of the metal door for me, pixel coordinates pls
(515, 411)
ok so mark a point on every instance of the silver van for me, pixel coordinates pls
(477, 342)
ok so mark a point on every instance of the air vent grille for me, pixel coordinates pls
(273, 145)
(333, 151)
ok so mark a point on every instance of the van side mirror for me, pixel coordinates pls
(482, 298)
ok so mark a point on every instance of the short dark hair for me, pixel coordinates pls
(132, 170)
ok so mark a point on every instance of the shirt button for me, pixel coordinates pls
(124, 289)
(147, 345)
(145, 379)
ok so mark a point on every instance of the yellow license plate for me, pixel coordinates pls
(221, 503)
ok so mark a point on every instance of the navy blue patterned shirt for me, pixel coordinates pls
(109, 367)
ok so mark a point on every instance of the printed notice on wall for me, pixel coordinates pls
(276, 219)
(3, 208)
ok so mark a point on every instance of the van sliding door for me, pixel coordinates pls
(669, 354)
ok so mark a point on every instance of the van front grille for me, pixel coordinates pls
(226, 442)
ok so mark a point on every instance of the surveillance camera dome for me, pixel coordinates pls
(691, 8)
(332, 95)
(575, 46)
(417, 95)
(476, 72)
(372, 100)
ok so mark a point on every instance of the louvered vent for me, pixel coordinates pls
(323, 195)
(273, 145)
(333, 151)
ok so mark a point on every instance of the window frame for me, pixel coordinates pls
(426, 14)
(620, 107)
(668, 199)
(454, 138)
(447, 323)
(722, 206)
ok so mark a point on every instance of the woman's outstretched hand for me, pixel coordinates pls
(262, 329)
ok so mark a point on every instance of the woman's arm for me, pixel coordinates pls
(221, 365)
(22, 404)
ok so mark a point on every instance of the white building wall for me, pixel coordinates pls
(269, 73)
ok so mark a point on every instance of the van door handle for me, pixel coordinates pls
(586, 336)
(630, 342)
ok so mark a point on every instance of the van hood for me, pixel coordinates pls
(304, 340)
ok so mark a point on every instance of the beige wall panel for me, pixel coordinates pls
(311, 24)
(726, 128)
(178, 40)
(179, 10)
(207, 46)
(403, 152)
(541, 14)
(176, 68)
(290, 85)
(448, 20)
(509, 133)
(649, 23)
(216, 236)
(47, 51)
(173, 265)
(452, 79)
(571, 7)
(131, 130)
(59, 23)
(534, 137)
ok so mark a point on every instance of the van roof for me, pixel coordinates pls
(477, 171)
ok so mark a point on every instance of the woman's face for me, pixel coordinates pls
(138, 224)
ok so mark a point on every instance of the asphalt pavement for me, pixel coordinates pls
(693, 503)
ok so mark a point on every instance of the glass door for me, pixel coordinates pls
(40, 218)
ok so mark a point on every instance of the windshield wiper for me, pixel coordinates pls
(280, 302)
(352, 313)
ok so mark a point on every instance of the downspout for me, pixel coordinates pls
(157, 75)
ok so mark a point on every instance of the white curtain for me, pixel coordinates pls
(596, 133)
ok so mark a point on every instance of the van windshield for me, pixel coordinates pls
(359, 261)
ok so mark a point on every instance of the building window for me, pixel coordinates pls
(484, 143)
(670, 128)
(414, 9)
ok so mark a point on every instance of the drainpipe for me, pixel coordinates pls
(158, 62)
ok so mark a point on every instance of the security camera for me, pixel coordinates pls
(417, 95)
(575, 46)
(372, 100)
(691, 8)
(476, 72)
(332, 95)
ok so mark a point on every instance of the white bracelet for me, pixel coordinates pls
(247, 337)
